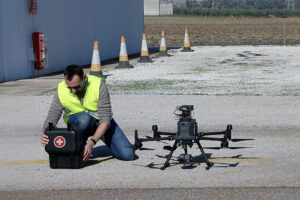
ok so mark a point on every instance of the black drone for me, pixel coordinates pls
(187, 134)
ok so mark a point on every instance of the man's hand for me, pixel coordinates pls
(44, 139)
(102, 128)
(88, 150)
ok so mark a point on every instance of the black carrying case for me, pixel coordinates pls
(63, 148)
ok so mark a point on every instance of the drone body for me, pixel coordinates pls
(187, 134)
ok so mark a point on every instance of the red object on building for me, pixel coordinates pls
(33, 7)
(40, 50)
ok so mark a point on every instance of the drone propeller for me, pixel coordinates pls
(144, 148)
(151, 165)
(240, 140)
(149, 137)
(191, 166)
(226, 164)
(218, 148)
(154, 166)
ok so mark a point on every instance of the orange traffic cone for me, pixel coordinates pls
(96, 68)
(163, 46)
(186, 43)
(144, 52)
(123, 58)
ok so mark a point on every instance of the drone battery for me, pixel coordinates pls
(63, 148)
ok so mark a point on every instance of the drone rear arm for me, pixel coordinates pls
(212, 133)
(226, 133)
(212, 139)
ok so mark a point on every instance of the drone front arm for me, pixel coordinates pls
(157, 134)
(165, 133)
(155, 139)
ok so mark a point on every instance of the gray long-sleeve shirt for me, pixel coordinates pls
(104, 107)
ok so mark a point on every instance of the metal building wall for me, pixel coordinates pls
(166, 9)
(151, 7)
(71, 27)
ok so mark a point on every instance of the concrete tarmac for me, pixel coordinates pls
(158, 193)
(265, 165)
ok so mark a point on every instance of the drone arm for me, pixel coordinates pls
(165, 133)
(226, 133)
(212, 139)
(212, 133)
(154, 139)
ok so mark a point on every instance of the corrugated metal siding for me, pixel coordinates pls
(166, 9)
(151, 7)
(71, 27)
(2, 77)
(15, 37)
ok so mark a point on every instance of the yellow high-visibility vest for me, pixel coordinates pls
(71, 102)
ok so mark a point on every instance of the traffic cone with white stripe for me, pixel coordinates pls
(186, 43)
(163, 46)
(144, 52)
(123, 58)
(96, 68)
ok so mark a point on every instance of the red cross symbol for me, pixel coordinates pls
(59, 142)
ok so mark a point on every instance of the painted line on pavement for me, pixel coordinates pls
(23, 162)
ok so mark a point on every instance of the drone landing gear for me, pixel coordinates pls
(186, 158)
(209, 164)
(167, 163)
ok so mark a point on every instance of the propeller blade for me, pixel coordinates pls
(218, 148)
(214, 148)
(239, 140)
(224, 165)
(143, 148)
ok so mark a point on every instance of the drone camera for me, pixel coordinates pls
(186, 111)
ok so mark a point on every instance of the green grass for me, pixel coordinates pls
(140, 85)
(288, 90)
(48, 92)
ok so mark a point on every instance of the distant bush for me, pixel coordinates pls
(236, 12)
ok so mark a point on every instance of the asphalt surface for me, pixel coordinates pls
(158, 193)
(265, 165)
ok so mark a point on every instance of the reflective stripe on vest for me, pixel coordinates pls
(71, 103)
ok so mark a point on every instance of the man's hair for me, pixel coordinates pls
(72, 70)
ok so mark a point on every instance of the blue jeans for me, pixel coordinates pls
(114, 137)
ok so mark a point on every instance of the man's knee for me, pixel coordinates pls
(127, 155)
(81, 120)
